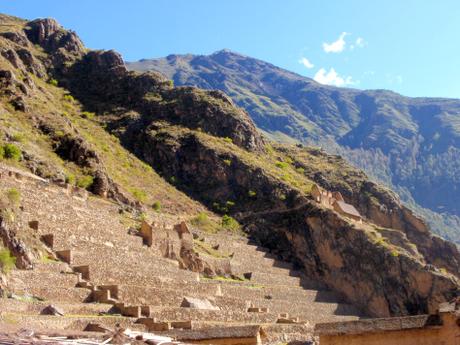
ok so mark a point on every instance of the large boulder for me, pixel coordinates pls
(197, 303)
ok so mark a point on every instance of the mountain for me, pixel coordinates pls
(410, 144)
(117, 187)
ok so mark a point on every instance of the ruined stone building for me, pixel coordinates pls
(335, 201)
(442, 328)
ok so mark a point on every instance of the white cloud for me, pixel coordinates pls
(360, 42)
(337, 46)
(304, 61)
(332, 78)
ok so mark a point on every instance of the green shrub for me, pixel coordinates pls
(2, 152)
(394, 253)
(139, 195)
(156, 206)
(12, 152)
(230, 204)
(300, 170)
(6, 260)
(281, 165)
(88, 115)
(171, 83)
(200, 219)
(69, 98)
(142, 216)
(252, 193)
(70, 178)
(227, 162)
(230, 223)
(53, 82)
(85, 181)
(205, 224)
(228, 140)
(18, 137)
(14, 196)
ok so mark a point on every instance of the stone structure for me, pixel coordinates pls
(96, 275)
(335, 201)
(442, 328)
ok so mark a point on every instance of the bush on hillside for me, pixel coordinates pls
(11, 151)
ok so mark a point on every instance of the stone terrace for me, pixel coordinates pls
(117, 273)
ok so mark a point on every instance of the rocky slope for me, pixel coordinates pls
(75, 107)
(410, 144)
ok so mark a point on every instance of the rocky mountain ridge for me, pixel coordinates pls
(196, 144)
(410, 144)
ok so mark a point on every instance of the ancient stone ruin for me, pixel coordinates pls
(335, 201)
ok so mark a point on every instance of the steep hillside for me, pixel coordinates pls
(80, 117)
(410, 144)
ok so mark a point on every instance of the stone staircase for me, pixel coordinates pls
(106, 276)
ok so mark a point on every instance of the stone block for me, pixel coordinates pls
(197, 303)
(182, 229)
(132, 311)
(33, 224)
(182, 324)
(83, 270)
(64, 255)
(146, 232)
(48, 240)
(257, 310)
(52, 310)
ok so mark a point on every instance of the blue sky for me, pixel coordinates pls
(408, 46)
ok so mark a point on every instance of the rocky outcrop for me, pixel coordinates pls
(24, 257)
(102, 82)
(63, 45)
(347, 259)
(205, 173)
(379, 205)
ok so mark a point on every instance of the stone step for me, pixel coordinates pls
(264, 278)
(107, 273)
(53, 293)
(51, 266)
(67, 279)
(72, 322)
(116, 238)
(186, 314)
(155, 296)
(239, 268)
(35, 307)
(279, 292)
(161, 296)
(231, 334)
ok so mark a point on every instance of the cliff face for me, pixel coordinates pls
(207, 148)
(350, 259)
